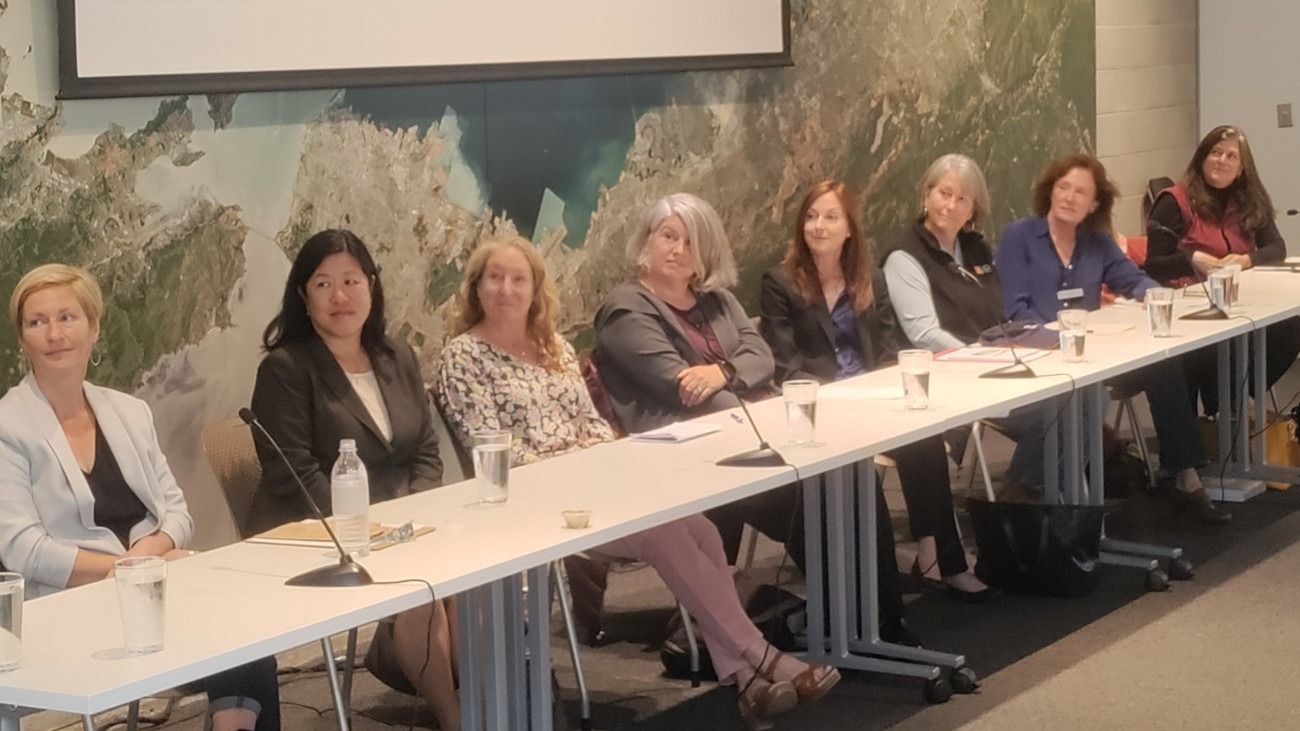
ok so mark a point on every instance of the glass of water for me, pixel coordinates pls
(1220, 286)
(11, 620)
(141, 595)
(491, 449)
(1160, 311)
(915, 365)
(1074, 333)
(800, 411)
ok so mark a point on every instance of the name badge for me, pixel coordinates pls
(1070, 294)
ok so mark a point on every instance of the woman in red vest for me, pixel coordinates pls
(1219, 214)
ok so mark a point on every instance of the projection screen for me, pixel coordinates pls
(153, 47)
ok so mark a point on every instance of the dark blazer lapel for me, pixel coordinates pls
(124, 450)
(332, 375)
(47, 424)
(823, 318)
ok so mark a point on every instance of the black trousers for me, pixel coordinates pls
(778, 514)
(255, 680)
(923, 476)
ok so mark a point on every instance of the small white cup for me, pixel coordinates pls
(576, 519)
(1073, 325)
(1160, 311)
(800, 411)
(1234, 292)
(915, 367)
(11, 620)
(142, 595)
(491, 450)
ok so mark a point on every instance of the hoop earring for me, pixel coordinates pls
(24, 365)
(96, 355)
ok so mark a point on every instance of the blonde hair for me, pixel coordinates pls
(46, 276)
(541, 314)
(969, 177)
(715, 268)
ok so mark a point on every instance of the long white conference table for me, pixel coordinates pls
(230, 606)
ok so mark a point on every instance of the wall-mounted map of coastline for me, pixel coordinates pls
(146, 47)
(188, 208)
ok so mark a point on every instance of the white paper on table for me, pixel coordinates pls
(679, 432)
(861, 393)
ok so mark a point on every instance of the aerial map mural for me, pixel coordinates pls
(188, 209)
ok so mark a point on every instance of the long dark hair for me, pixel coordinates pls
(293, 325)
(799, 267)
(1254, 206)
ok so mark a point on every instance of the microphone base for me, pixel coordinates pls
(1015, 370)
(764, 456)
(339, 574)
(1211, 313)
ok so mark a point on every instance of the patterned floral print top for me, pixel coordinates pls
(547, 413)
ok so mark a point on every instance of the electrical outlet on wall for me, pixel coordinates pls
(1284, 115)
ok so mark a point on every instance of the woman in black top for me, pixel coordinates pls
(827, 316)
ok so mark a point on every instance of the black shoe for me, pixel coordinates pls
(927, 583)
(987, 594)
(895, 631)
(1198, 505)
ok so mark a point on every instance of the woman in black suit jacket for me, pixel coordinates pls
(826, 314)
(331, 373)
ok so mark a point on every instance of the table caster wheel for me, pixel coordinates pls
(937, 690)
(964, 680)
(1157, 580)
(1180, 569)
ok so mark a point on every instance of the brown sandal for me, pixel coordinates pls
(814, 682)
(758, 705)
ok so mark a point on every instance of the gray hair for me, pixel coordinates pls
(715, 268)
(968, 176)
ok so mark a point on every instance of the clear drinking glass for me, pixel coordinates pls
(1160, 311)
(141, 594)
(915, 366)
(11, 620)
(800, 411)
(1074, 333)
(491, 448)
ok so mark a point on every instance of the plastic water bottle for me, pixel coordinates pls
(350, 495)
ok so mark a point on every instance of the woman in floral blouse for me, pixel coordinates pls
(507, 368)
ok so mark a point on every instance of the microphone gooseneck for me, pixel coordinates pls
(762, 456)
(1018, 368)
(347, 572)
(1213, 312)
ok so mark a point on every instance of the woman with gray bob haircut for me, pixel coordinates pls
(715, 267)
(673, 343)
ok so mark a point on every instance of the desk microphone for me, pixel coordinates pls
(763, 455)
(1018, 368)
(1213, 312)
(346, 572)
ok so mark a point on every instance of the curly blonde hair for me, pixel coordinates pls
(541, 314)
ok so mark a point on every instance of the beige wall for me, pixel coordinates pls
(1146, 95)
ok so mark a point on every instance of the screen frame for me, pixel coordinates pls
(73, 86)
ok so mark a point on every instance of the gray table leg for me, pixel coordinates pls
(813, 557)
(332, 674)
(10, 718)
(471, 661)
(539, 647)
(516, 652)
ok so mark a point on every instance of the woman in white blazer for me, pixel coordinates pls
(83, 481)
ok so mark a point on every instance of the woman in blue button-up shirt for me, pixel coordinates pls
(1060, 259)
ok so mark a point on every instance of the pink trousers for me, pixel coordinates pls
(688, 556)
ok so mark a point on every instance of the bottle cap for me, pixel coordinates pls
(347, 445)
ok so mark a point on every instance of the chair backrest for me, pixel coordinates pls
(463, 458)
(599, 396)
(228, 445)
